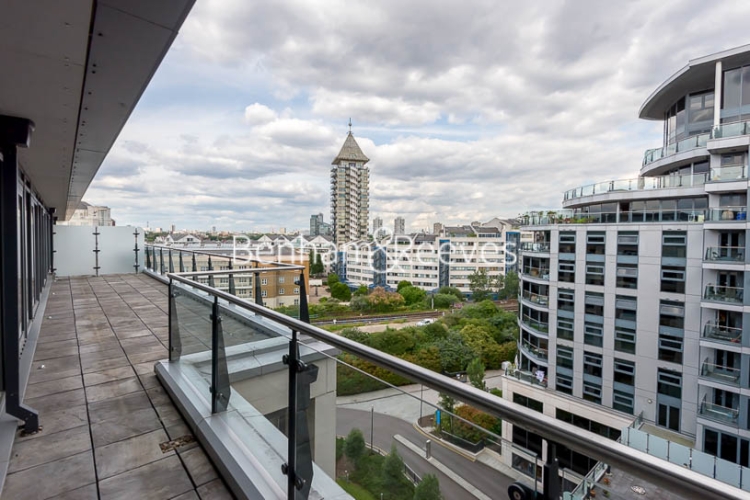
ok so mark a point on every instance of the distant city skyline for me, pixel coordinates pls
(238, 127)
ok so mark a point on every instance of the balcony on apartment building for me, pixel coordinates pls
(729, 255)
(723, 334)
(170, 360)
(724, 294)
(718, 413)
(720, 373)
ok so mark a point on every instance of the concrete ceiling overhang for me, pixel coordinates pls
(77, 69)
(698, 75)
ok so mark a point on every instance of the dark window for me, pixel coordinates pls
(627, 243)
(594, 303)
(672, 314)
(566, 272)
(670, 348)
(626, 308)
(623, 401)
(710, 441)
(624, 372)
(565, 357)
(624, 339)
(592, 364)
(673, 279)
(595, 273)
(669, 383)
(674, 244)
(627, 276)
(567, 242)
(566, 299)
(593, 334)
(564, 384)
(528, 440)
(592, 392)
(595, 243)
(528, 402)
(565, 329)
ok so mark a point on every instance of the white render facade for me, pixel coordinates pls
(428, 261)
(632, 298)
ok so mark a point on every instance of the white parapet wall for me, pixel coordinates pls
(97, 250)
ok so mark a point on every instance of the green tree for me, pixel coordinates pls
(454, 353)
(402, 284)
(359, 303)
(507, 286)
(354, 446)
(382, 301)
(333, 278)
(362, 290)
(428, 489)
(485, 309)
(412, 294)
(444, 300)
(475, 371)
(479, 284)
(316, 263)
(451, 290)
(395, 485)
(446, 402)
(341, 292)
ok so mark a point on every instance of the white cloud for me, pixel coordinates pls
(257, 114)
(467, 110)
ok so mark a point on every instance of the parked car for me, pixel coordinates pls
(425, 322)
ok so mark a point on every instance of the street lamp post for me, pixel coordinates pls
(372, 427)
(421, 399)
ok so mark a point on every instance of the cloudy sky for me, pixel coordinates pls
(467, 109)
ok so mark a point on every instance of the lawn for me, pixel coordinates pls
(355, 490)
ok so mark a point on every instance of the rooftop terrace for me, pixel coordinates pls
(109, 430)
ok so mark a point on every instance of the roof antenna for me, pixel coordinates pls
(350, 126)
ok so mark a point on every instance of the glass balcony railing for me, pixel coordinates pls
(725, 254)
(697, 141)
(535, 247)
(720, 333)
(727, 214)
(637, 184)
(723, 374)
(536, 351)
(535, 324)
(726, 294)
(577, 216)
(541, 273)
(542, 300)
(735, 129)
(719, 413)
(214, 342)
(729, 173)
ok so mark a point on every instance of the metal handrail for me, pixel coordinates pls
(676, 478)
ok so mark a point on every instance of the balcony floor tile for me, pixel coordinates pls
(92, 381)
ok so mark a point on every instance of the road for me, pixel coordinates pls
(489, 481)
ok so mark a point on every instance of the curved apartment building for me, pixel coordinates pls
(632, 296)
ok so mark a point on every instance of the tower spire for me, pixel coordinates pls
(350, 125)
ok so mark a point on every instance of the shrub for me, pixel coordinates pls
(354, 447)
(396, 342)
(332, 279)
(428, 489)
(394, 483)
(451, 290)
(341, 292)
(382, 301)
(402, 284)
(412, 294)
(444, 300)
